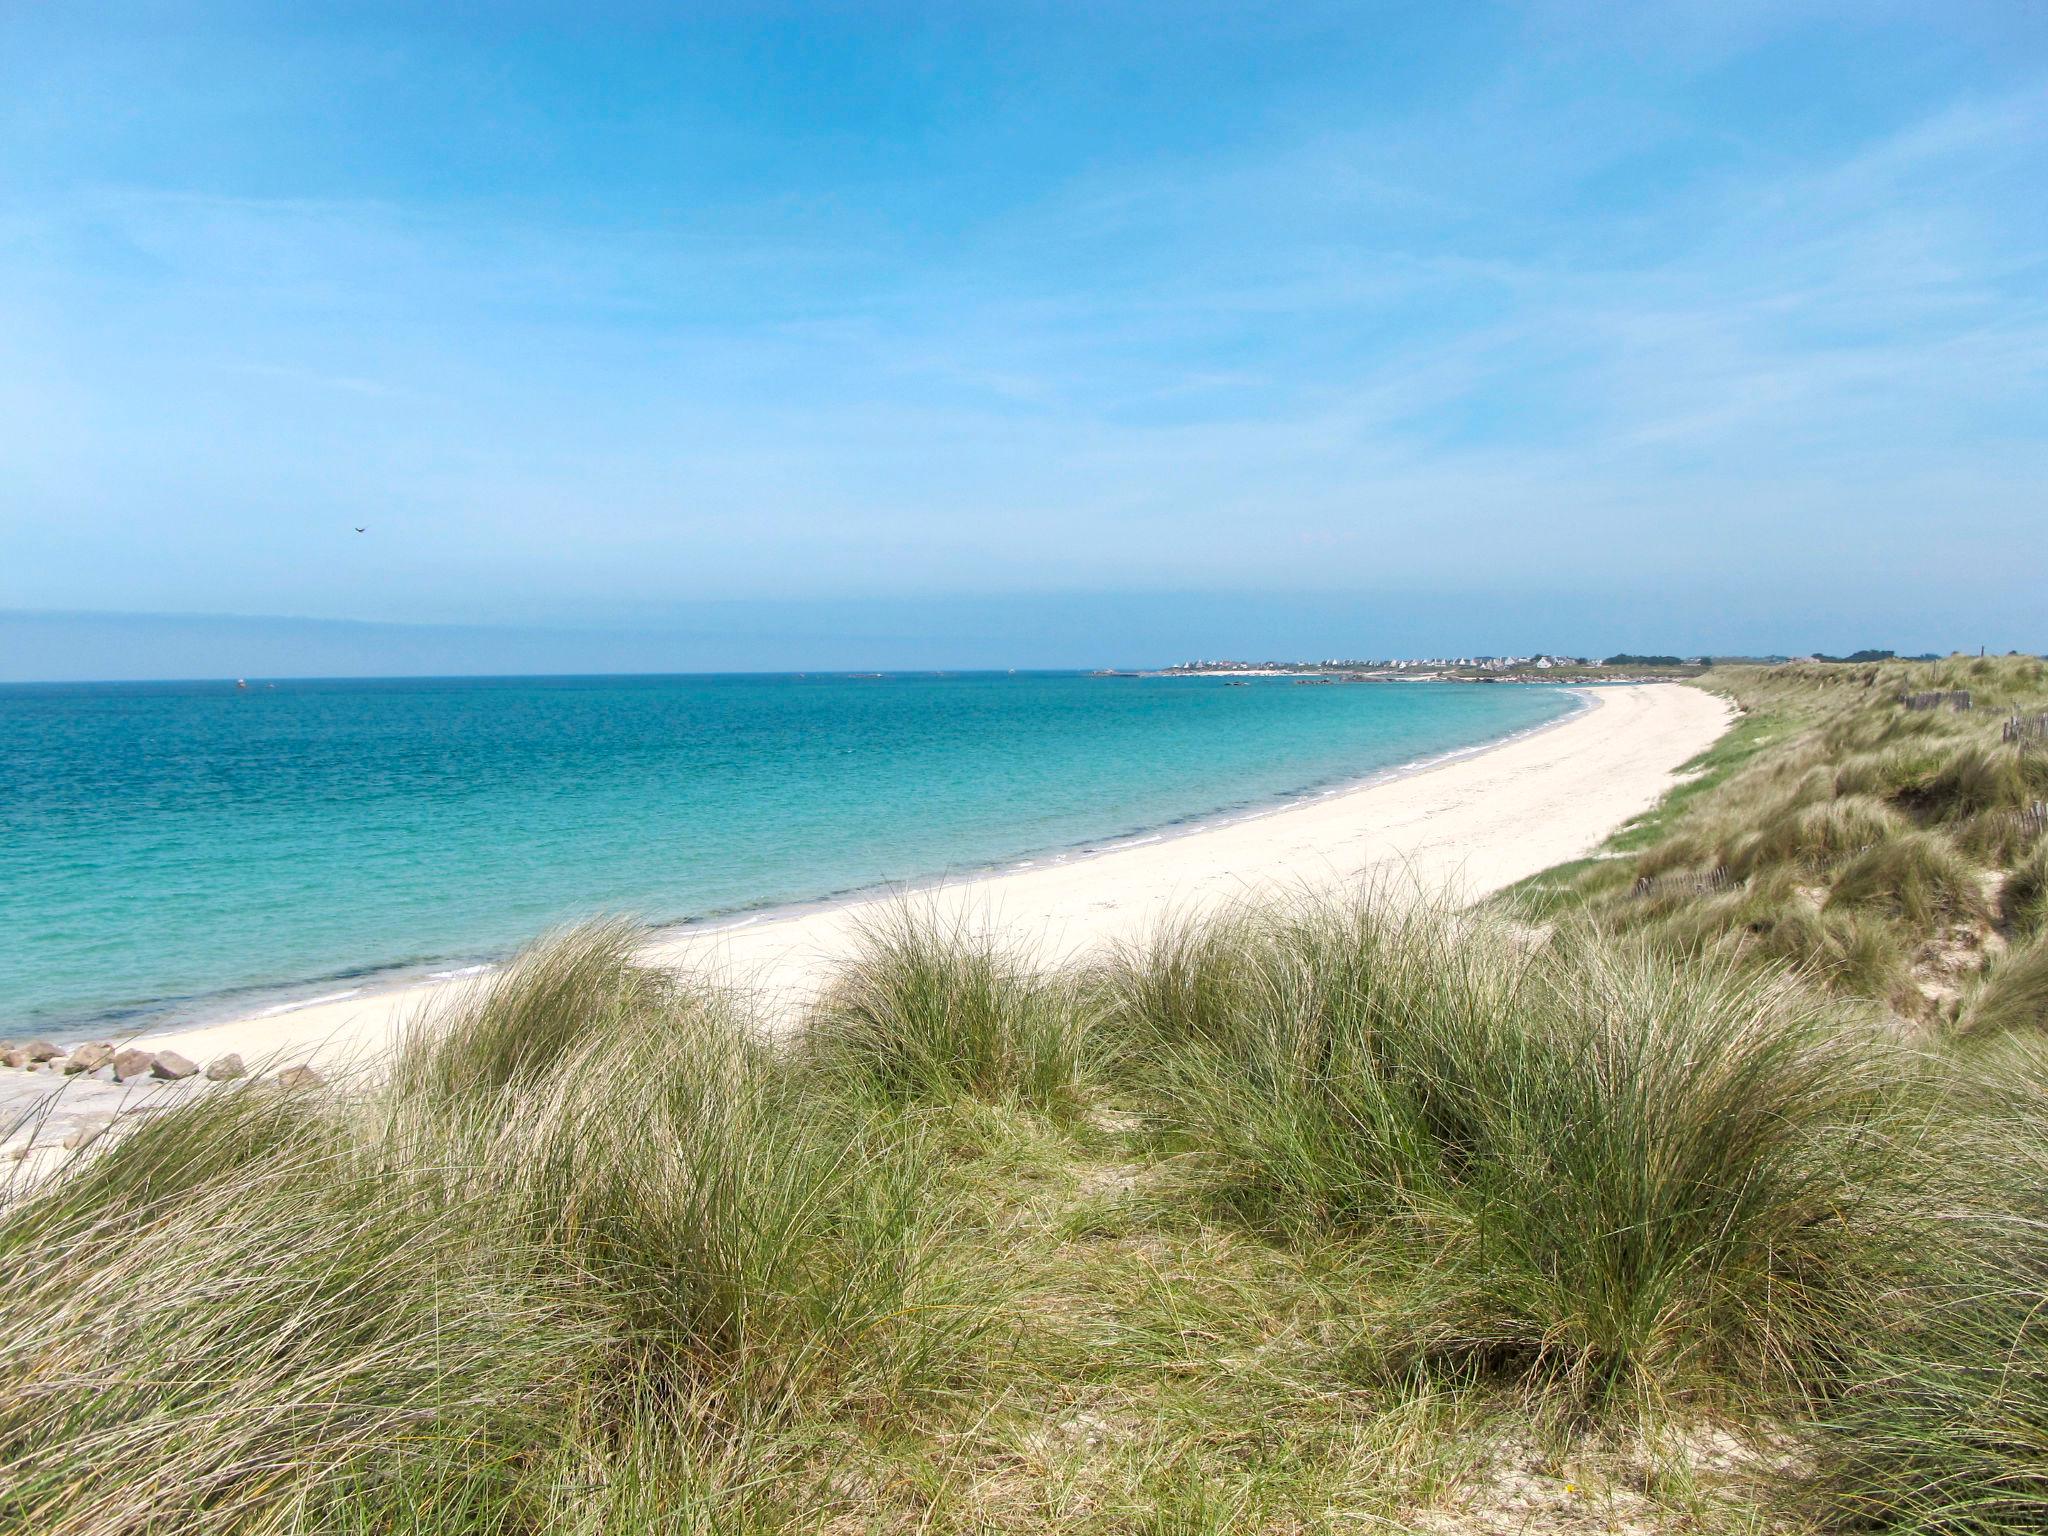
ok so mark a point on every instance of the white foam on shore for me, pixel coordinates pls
(307, 1002)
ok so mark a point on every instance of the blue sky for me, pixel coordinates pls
(1724, 320)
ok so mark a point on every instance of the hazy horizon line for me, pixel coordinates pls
(1050, 633)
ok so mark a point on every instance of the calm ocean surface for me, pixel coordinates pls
(178, 849)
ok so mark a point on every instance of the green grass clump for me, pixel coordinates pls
(2014, 992)
(1599, 1173)
(1936, 1418)
(923, 1013)
(592, 1219)
(1899, 771)
(2023, 903)
(1916, 877)
(1778, 920)
(1816, 835)
(258, 1333)
(1942, 1426)
(1978, 777)
(769, 1245)
(515, 1028)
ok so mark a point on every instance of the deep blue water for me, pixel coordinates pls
(170, 849)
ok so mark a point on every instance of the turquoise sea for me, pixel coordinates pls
(174, 850)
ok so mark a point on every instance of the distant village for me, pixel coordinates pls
(1540, 665)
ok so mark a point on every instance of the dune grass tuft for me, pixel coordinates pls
(1816, 834)
(2014, 992)
(595, 1209)
(924, 1013)
(510, 1029)
(1916, 877)
(1598, 1173)
(1935, 1417)
(2023, 903)
(260, 1331)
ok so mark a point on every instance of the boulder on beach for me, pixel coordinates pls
(173, 1067)
(299, 1077)
(43, 1050)
(88, 1131)
(133, 1063)
(13, 1056)
(225, 1067)
(89, 1058)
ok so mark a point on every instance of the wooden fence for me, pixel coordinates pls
(2027, 728)
(1956, 699)
(1715, 879)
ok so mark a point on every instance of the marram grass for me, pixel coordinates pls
(1934, 1418)
(593, 1215)
(926, 1012)
(1582, 1168)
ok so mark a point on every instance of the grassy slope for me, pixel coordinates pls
(1883, 851)
(1322, 1218)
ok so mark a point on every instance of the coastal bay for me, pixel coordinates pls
(1472, 824)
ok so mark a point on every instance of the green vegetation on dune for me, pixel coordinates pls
(1578, 1174)
(922, 1014)
(1893, 854)
(1694, 1206)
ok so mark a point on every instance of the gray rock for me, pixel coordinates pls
(169, 1064)
(87, 1058)
(88, 1132)
(133, 1063)
(43, 1050)
(299, 1077)
(15, 1057)
(226, 1067)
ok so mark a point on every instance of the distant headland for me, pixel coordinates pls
(1535, 667)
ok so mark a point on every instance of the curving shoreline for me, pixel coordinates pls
(662, 935)
(1475, 822)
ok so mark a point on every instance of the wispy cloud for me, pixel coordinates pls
(1527, 322)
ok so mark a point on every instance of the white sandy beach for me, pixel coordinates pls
(1473, 824)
